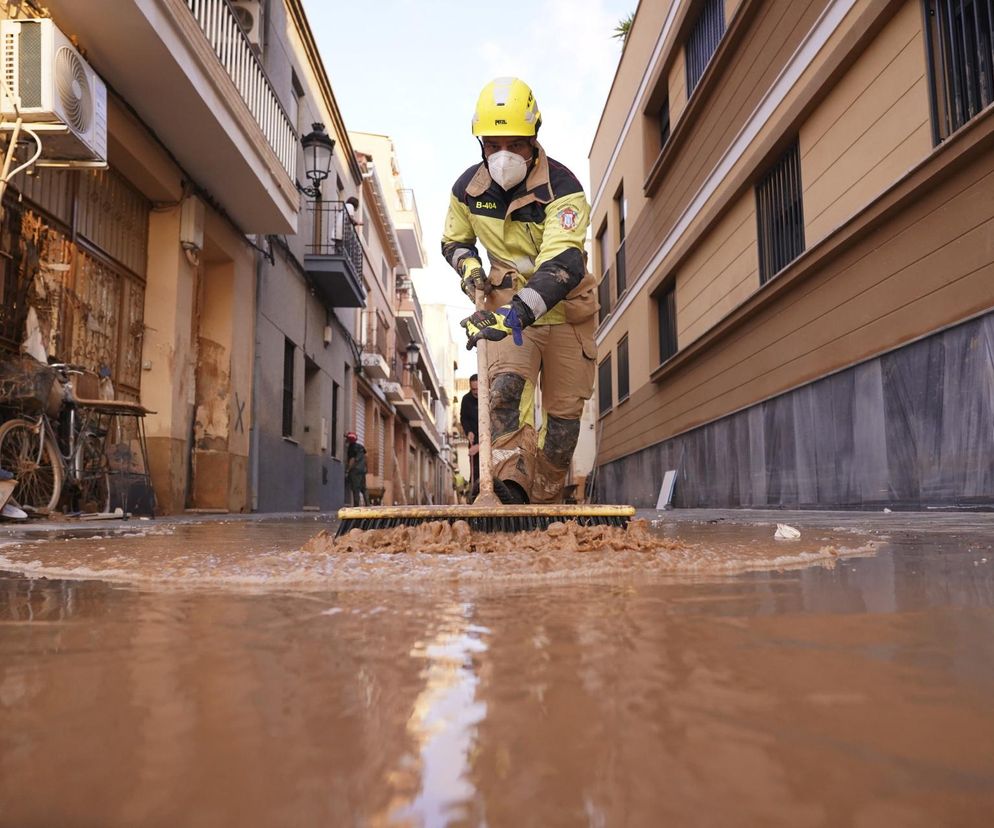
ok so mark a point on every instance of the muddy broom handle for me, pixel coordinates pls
(486, 496)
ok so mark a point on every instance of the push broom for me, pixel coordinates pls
(486, 513)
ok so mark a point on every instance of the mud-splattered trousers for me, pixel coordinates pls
(534, 239)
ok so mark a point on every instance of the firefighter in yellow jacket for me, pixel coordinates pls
(530, 214)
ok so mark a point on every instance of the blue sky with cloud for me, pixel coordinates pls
(412, 69)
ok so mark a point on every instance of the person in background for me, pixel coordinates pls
(352, 208)
(355, 469)
(469, 419)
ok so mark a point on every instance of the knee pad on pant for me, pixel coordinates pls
(505, 403)
(560, 440)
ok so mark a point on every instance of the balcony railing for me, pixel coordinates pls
(334, 233)
(333, 258)
(407, 201)
(376, 334)
(407, 300)
(217, 21)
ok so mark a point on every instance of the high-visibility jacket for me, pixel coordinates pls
(534, 235)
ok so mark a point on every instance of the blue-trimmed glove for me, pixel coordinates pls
(493, 326)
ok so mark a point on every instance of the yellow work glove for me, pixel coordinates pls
(473, 277)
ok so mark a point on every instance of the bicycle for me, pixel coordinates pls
(44, 464)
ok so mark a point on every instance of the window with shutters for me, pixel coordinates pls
(703, 41)
(360, 418)
(623, 379)
(664, 123)
(604, 285)
(335, 393)
(605, 392)
(779, 215)
(289, 354)
(959, 39)
(666, 315)
(620, 274)
(381, 444)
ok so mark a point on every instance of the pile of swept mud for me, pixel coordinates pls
(444, 538)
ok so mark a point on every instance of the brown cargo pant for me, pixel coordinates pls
(560, 360)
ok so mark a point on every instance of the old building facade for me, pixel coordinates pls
(794, 200)
(202, 270)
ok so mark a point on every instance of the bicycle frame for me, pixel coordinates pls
(74, 440)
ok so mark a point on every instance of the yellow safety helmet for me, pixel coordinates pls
(506, 107)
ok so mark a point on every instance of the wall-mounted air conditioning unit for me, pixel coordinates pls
(249, 16)
(49, 84)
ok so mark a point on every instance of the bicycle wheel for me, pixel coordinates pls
(28, 452)
(92, 474)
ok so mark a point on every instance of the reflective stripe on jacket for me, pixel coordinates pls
(534, 235)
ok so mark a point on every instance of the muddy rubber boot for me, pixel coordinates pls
(509, 492)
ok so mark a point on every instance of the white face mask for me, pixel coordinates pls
(507, 168)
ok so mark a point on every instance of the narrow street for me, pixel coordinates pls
(209, 672)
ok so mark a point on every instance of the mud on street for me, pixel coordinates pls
(237, 672)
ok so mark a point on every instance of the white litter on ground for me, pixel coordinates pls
(785, 532)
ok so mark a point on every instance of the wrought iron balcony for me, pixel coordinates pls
(333, 259)
(376, 352)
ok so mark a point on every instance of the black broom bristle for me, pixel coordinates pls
(502, 524)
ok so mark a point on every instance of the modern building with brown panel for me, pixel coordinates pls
(793, 223)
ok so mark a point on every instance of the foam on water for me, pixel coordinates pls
(253, 557)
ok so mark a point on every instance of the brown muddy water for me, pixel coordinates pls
(227, 674)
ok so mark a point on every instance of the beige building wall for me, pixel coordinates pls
(858, 106)
(871, 128)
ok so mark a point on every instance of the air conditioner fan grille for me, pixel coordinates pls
(73, 87)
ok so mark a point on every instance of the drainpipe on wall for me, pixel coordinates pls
(254, 429)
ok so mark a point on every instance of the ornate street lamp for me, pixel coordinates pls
(318, 149)
(413, 355)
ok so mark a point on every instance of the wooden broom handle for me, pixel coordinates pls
(483, 423)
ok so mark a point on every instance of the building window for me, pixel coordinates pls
(605, 393)
(666, 309)
(365, 224)
(623, 384)
(296, 96)
(289, 353)
(604, 285)
(779, 215)
(604, 296)
(664, 123)
(384, 274)
(703, 41)
(960, 41)
(334, 418)
(620, 275)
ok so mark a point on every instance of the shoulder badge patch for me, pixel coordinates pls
(567, 218)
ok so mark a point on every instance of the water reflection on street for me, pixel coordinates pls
(856, 692)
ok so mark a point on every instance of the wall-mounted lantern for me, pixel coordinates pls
(318, 149)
